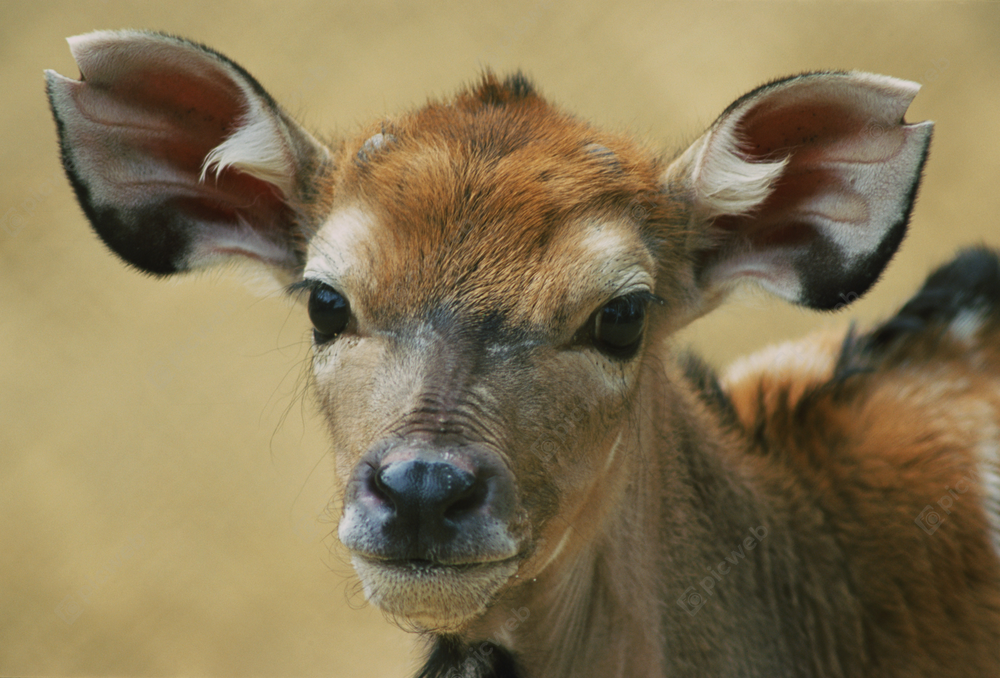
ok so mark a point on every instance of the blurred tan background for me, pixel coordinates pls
(163, 480)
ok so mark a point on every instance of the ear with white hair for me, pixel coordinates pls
(179, 158)
(803, 186)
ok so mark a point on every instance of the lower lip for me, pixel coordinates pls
(432, 596)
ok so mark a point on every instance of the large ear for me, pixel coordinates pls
(803, 186)
(178, 157)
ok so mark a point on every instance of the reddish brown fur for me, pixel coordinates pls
(868, 452)
(489, 181)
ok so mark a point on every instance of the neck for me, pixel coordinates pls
(685, 575)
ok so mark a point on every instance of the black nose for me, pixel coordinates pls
(433, 503)
(430, 495)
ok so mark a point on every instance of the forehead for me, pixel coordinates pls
(493, 201)
(587, 261)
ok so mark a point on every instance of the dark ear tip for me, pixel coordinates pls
(831, 298)
(839, 284)
(164, 243)
(833, 304)
(158, 253)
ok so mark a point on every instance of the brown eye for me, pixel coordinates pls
(329, 313)
(618, 326)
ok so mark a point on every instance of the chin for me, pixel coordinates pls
(432, 597)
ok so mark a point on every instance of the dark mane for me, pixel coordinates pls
(451, 658)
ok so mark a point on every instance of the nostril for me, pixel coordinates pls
(469, 500)
(376, 487)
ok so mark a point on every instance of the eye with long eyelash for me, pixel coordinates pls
(617, 327)
(329, 310)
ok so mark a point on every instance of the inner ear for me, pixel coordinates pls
(178, 156)
(805, 186)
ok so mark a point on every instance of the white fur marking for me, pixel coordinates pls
(256, 148)
(726, 183)
(331, 251)
(988, 452)
(796, 358)
(505, 349)
(559, 548)
(613, 452)
(616, 257)
(966, 325)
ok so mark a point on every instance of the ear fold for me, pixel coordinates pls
(803, 186)
(178, 157)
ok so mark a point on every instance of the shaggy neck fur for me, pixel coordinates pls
(676, 579)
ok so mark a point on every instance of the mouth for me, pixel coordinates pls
(432, 596)
(421, 565)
